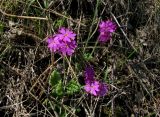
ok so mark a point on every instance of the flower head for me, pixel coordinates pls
(66, 35)
(53, 43)
(103, 89)
(104, 37)
(63, 42)
(96, 88)
(92, 88)
(106, 28)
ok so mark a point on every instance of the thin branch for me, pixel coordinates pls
(123, 32)
(58, 14)
(23, 17)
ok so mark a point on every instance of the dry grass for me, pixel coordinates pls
(129, 63)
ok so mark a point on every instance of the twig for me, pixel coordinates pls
(123, 32)
(61, 15)
(57, 13)
(23, 17)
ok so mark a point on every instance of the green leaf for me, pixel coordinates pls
(88, 57)
(1, 28)
(30, 3)
(73, 87)
(54, 78)
(59, 23)
(78, 110)
(45, 102)
(59, 89)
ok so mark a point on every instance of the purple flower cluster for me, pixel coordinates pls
(106, 28)
(93, 86)
(63, 42)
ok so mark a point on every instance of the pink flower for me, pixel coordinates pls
(103, 89)
(66, 35)
(53, 43)
(63, 42)
(104, 37)
(106, 28)
(92, 88)
(68, 48)
(96, 88)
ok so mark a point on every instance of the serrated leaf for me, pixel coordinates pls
(73, 87)
(88, 57)
(59, 89)
(54, 78)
